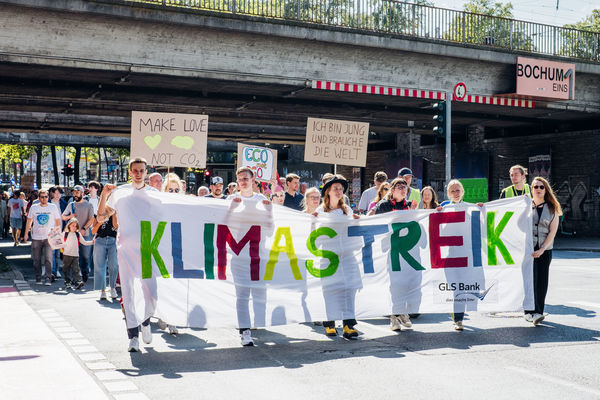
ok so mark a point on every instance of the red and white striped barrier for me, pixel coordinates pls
(417, 93)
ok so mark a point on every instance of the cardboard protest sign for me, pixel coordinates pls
(331, 141)
(172, 140)
(261, 160)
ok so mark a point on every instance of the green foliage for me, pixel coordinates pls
(576, 43)
(489, 24)
(15, 152)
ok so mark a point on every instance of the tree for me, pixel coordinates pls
(15, 153)
(582, 39)
(489, 23)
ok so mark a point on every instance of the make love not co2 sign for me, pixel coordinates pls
(172, 140)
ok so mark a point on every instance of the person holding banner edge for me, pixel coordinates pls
(245, 183)
(394, 201)
(546, 209)
(456, 192)
(138, 171)
(333, 202)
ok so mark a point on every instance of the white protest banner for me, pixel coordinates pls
(186, 260)
(331, 141)
(172, 140)
(262, 160)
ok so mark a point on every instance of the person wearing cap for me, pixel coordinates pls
(519, 187)
(413, 194)
(369, 195)
(216, 188)
(84, 212)
(293, 199)
(337, 298)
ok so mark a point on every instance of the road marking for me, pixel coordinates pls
(553, 379)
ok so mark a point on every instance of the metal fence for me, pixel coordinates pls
(402, 18)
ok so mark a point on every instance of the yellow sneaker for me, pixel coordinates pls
(330, 331)
(350, 333)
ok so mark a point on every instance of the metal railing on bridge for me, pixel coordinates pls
(408, 19)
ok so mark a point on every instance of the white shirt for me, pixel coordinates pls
(121, 190)
(94, 202)
(367, 198)
(254, 197)
(44, 219)
(72, 244)
(337, 211)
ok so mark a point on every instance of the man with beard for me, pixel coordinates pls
(84, 212)
(216, 188)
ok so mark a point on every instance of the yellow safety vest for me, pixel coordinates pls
(512, 192)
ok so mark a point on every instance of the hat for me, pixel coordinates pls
(404, 171)
(79, 187)
(216, 179)
(335, 179)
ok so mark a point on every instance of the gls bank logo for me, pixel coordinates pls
(450, 292)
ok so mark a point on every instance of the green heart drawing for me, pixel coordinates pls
(183, 142)
(152, 141)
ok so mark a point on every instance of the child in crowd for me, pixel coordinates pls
(70, 244)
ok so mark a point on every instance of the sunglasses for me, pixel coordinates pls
(401, 187)
(43, 197)
(541, 187)
(173, 190)
(386, 189)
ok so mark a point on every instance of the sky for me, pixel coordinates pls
(540, 11)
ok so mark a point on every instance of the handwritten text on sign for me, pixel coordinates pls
(261, 160)
(175, 140)
(336, 142)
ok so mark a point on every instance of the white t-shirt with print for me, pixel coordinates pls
(44, 219)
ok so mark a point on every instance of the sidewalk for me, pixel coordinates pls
(34, 362)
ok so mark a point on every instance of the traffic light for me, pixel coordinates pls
(439, 119)
(69, 170)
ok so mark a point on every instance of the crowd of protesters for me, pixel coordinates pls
(73, 237)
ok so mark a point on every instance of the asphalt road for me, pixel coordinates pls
(496, 357)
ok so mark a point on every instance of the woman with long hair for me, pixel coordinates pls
(382, 192)
(105, 254)
(429, 199)
(335, 298)
(546, 213)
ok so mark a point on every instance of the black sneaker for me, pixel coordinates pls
(79, 285)
(52, 278)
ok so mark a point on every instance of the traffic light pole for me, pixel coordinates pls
(448, 130)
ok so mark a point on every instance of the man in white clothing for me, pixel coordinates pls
(43, 217)
(106, 207)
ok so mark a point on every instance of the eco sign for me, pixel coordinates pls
(261, 160)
